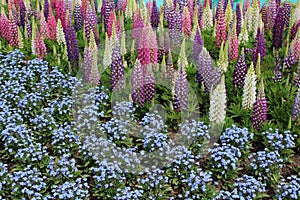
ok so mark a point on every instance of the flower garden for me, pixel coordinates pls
(127, 99)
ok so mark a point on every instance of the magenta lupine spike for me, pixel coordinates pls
(278, 29)
(72, 44)
(259, 46)
(198, 45)
(238, 19)
(296, 47)
(40, 47)
(51, 25)
(61, 12)
(46, 9)
(44, 30)
(84, 5)
(13, 32)
(90, 22)
(296, 107)
(294, 30)
(180, 91)
(138, 84)
(272, 14)
(259, 116)
(220, 29)
(149, 85)
(112, 22)
(4, 25)
(138, 24)
(186, 22)
(234, 46)
(144, 49)
(117, 69)
(190, 5)
(22, 14)
(78, 17)
(240, 71)
(153, 49)
(154, 15)
(287, 13)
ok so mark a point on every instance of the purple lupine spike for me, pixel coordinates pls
(200, 13)
(296, 107)
(259, 47)
(87, 62)
(149, 84)
(22, 11)
(16, 17)
(198, 44)
(290, 59)
(277, 70)
(278, 29)
(238, 19)
(46, 9)
(294, 30)
(272, 12)
(170, 68)
(28, 28)
(108, 7)
(138, 84)
(90, 22)
(154, 15)
(180, 91)
(259, 116)
(72, 44)
(296, 80)
(240, 71)
(117, 69)
(287, 13)
(78, 18)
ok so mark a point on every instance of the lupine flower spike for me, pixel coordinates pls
(217, 109)
(240, 71)
(180, 90)
(259, 116)
(220, 28)
(249, 93)
(138, 84)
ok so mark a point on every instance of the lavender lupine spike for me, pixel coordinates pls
(240, 71)
(277, 70)
(260, 46)
(78, 18)
(259, 116)
(278, 29)
(170, 67)
(117, 69)
(296, 80)
(249, 92)
(72, 44)
(289, 59)
(272, 14)
(287, 13)
(90, 22)
(296, 107)
(198, 44)
(180, 91)
(154, 15)
(217, 109)
(138, 84)
(149, 84)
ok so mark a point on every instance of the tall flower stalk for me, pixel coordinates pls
(259, 116)
(180, 90)
(249, 93)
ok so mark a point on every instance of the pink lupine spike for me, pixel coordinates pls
(186, 22)
(44, 27)
(144, 49)
(40, 47)
(61, 12)
(220, 28)
(4, 25)
(51, 25)
(13, 32)
(111, 22)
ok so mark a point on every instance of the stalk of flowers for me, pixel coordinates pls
(287, 13)
(296, 107)
(144, 48)
(277, 70)
(160, 30)
(259, 46)
(170, 68)
(20, 39)
(195, 23)
(78, 16)
(60, 35)
(39, 45)
(254, 16)
(198, 44)
(294, 30)
(154, 15)
(46, 9)
(228, 14)
(220, 28)
(28, 29)
(272, 14)
(239, 19)
(186, 22)
(222, 63)
(259, 116)
(13, 32)
(249, 92)
(44, 30)
(296, 15)
(243, 37)
(278, 29)
(153, 48)
(84, 5)
(129, 9)
(22, 14)
(91, 21)
(51, 25)
(240, 71)
(61, 12)
(149, 84)
(296, 45)
(234, 44)
(4, 25)
(289, 58)
(117, 69)
(107, 52)
(107, 8)
(265, 16)
(72, 44)
(138, 25)
(33, 36)
(217, 109)
(296, 80)
(138, 84)
(182, 60)
(180, 90)
(207, 18)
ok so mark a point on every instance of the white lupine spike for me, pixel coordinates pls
(60, 35)
(243, 37)
(129, 10)
(296, 16)
(249, 93)
(207, 18)
(217, 109)
(107, 52)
